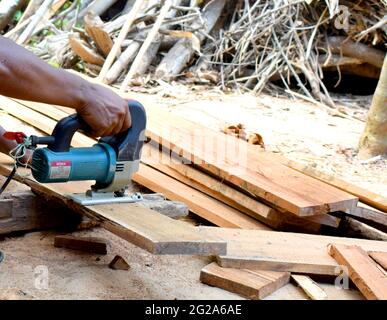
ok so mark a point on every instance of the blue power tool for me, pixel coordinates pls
(111, 162)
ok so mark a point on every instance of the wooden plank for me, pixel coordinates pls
(362, 270)
(379, 257)
(368, 197)
(283, 251)
(254, 171)
(262, 176)
(310, 287)
(248, 283)
(369, 214)
(204, 206)
(143, 227)
(242, 202)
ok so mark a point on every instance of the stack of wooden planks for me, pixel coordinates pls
(231, 184)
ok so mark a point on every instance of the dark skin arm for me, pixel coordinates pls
(24, 76)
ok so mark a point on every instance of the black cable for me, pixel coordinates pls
(6, 183)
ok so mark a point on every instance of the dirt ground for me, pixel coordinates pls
(301, 131)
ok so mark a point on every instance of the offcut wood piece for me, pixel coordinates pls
(253, 284)
(379, 257)
(24, 211)
(86, 244)
(94, 28)
(81, 48)
(310, 287)
(119, 263)
(362, 270)
(283, 251)
(200, 204)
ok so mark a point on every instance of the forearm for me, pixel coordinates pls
(24, 76)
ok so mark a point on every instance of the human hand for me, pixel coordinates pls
(104, 111)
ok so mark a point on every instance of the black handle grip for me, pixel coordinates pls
(127, 144)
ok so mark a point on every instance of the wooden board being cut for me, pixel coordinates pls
(253, 284)
(255, 172)
(143, 227)
(283, 251)
(362, 270)
(204, 206)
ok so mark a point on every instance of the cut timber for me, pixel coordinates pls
(86, 244)
(240, 201)
(257, 173)
(357, 229)
(283, 251)
(204, 206)
(24, 211)
(372, 199)
(379, 257)
(370, 215)
(143, 227)
(310, 287)
(248, 283)
(362, 270)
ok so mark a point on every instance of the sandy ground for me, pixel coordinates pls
(299, 130)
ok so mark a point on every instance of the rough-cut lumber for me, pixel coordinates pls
(86, 244)
(368, 197)
(370, 214)
(310, 287)
(143, 227)
(121, 37)
(379, 257)
(199, 203)
(257, 173)
(354, 228)
(362, 270)
(240, 201)
(283, 251)
(202, 205)
(24, 211)
(248, 283)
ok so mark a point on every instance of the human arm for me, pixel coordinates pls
(24, 76)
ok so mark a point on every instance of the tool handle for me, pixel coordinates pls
(127, 144)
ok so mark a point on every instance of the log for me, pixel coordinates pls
(8, 9)
(146, 45)
(181, 53)
(121, 37)
(349, 48)
(24, 211)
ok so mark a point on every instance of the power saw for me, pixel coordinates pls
(111, 162)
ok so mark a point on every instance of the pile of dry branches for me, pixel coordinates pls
(254, 45)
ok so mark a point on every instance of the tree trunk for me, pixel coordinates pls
(374, 139)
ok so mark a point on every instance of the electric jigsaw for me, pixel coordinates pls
(111, 162)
